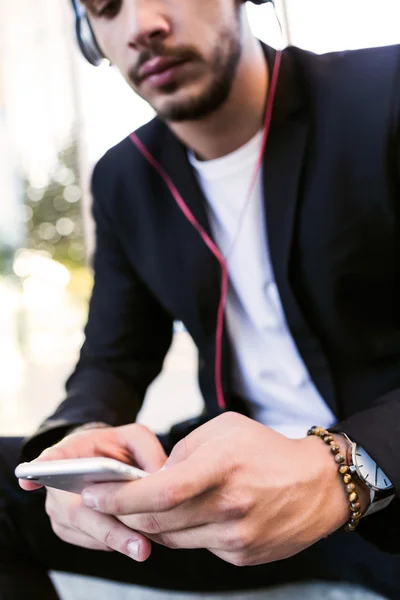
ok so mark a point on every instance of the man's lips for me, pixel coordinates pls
(156, 66)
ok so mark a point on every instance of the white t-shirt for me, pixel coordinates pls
(268, 370)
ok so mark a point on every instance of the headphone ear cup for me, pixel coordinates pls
(85, 36)
(88, 43)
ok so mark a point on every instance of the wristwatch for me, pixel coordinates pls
(381, 490)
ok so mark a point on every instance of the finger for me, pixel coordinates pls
(52, 453)
(159, 492)
(56, 452)
(76, 538)
(159, 523)
(203, 510)
(112, 533)
(210, 537)
(28, 486)
(143, 446)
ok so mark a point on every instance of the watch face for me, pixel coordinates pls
(369, 471)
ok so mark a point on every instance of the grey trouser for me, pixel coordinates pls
(80, 588)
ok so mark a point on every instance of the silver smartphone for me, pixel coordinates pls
(74, 475)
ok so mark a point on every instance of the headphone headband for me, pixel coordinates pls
(85, 36)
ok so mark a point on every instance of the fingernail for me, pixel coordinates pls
(133, 549)
(89, 500)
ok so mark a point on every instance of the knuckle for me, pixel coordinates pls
(170, 497)
(114, 505)
(150, 524)
(49, 506)
(52, 453)
(60, 531)
(245, 537)
(239, 560)
(168, 541)
(52, 507)
(244, 505)
(180, 450)
(136, 428)
(232, 418)
(238, 538)
(109, 538)
(74, 515)
(225, 507)
(140, 427)
(234, 511)
(234, 508)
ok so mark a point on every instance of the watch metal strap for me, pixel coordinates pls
(378, 505)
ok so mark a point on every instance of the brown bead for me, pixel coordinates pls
(343, 469)
(339, 458)
(328, 439)
(356, 515)
(350, 487)
(355, 506)
(347, 478)
(353, 497)
(335, 448)
(351, 527)
(353, 522)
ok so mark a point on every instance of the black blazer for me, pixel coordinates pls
(331, 187)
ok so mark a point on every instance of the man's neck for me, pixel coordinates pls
(240, 117)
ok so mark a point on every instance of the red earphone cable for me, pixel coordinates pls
(206, 238)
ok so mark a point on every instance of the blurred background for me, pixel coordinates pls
(58, 115)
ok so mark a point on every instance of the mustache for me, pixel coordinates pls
(178, 54)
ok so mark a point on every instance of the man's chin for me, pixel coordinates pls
(190, 109)
(187, 101)
(177, 112)
(176, 106)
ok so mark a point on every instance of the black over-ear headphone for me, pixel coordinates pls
(86, 38)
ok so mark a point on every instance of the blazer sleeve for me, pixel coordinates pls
(377, 429)
(128, 335)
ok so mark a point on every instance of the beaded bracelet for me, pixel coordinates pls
(344, 470)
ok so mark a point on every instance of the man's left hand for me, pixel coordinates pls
(239, 489)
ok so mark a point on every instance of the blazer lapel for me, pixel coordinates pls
(282, 168)
(201, 275)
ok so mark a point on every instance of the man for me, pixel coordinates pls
(311, 330)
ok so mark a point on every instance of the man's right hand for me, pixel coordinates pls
(71, 520)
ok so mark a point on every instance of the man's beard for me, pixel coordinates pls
(223, 66)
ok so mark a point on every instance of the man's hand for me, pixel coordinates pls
(71, 520)
(237, 488)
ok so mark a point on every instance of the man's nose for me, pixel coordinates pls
(145, 23)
